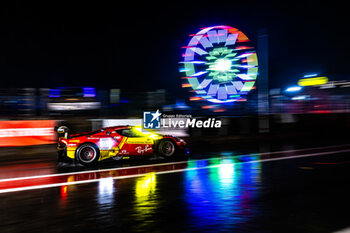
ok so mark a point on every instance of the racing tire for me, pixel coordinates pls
(166, 148)
(87, 154)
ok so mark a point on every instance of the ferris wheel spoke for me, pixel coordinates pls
(231, 90)
(238, 85)
(213, 89)
(231, 39)
(199, 73)
(204, 83)
(222, 35)
(199, 51)
(244, 77)
(222, 93)
(205, 43)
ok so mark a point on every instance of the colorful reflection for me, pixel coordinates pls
(145, 198)
(226, 190)
(63, 190)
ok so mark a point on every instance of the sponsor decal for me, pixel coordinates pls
(142, 150)
(74, 141)
(143, 140)
(123, 152)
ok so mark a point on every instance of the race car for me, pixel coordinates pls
(119, 142)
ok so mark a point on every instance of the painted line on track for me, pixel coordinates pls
(172, 166)
(346, 230)
(169, 163)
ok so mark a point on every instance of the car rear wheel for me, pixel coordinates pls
(88, 154)
(166, 148)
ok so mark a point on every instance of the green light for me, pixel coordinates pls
(220, 62)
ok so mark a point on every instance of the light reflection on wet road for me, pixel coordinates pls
(221, 193)
(215, 195)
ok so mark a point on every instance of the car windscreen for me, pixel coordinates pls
(129, 132)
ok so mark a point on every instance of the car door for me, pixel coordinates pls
(136, 143)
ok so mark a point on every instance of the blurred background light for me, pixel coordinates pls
(312, 81)
(293, 89)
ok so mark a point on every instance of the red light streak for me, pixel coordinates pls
(243, 47)
(207, 107)
(64, 191)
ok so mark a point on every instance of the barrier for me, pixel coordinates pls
(27, 133)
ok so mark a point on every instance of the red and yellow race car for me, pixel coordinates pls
(119, 142)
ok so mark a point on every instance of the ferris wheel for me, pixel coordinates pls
(219, 65)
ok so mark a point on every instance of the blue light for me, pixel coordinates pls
(207, 193)
(310, 75)
(124, 101)
(54, 93)
(89, 92)
(293, 89)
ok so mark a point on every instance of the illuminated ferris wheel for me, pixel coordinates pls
(219, 65)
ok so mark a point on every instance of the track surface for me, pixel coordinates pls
(303, 190)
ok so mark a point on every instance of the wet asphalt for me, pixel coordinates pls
(221, 194)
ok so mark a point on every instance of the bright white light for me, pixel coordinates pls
(105, 186)
(73, 106)
(300, 97)
(105, 191)
(292, 89)
(222, 65)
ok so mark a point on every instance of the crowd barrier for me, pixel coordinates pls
(27, 133)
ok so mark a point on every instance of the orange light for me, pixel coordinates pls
(207, 107)
(243, 47)
(184, 85)
(219, 110)
(195, 98)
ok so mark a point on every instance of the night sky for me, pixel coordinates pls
(137, 46)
